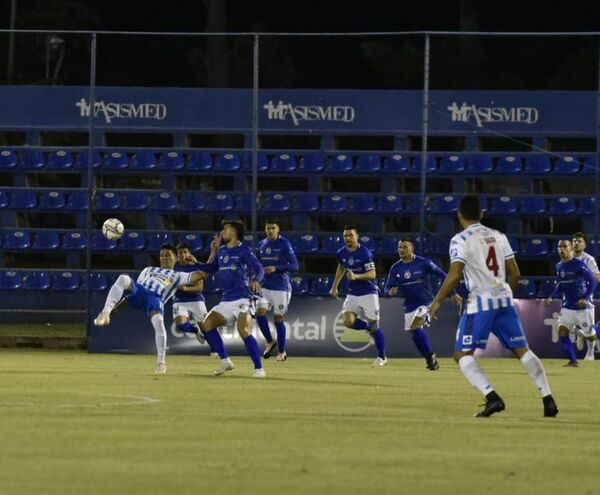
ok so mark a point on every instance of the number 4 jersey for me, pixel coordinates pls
(483, 251)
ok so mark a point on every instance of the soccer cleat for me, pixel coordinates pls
(282, 356)
(161, 369)
(432, 363)
(491, 406)
(102, 319)
(259, 373)
(269, 348)
(379, 362)
(226, 365)
(589, 357)
(550, 407)
(214, 354)
(571, 364)
(200, 336)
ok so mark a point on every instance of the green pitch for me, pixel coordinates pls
(74, 423)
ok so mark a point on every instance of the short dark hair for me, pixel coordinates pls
(470, 207)
(184, 245)
(240, 230)
(274, 221)
(407, 240)
(350, 227)
(170, 247)
(580, 234)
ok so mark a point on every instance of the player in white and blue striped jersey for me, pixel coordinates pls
(149, 293)
(487, 262)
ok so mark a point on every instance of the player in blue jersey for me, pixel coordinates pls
(361, 306)
(148, 293)
(487, 262)
(575, 284)
(410, 277)
(278, 259)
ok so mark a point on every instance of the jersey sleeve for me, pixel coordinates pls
(507, 248)
(290, 263)
(391, 281)
(183, 278)
(368, 263)
(592, 265)
(252, 261)
(457, 250)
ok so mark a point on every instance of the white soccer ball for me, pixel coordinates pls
(113, 229)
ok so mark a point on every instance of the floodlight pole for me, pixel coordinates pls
(597, 204)
(424, 143)
(255, 196)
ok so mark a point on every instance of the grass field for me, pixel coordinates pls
(75, 423)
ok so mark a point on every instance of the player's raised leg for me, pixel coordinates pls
(115, 294)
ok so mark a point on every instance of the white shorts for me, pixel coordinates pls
(277, 300)
(231, 309)
(192, 310)
(365, 307)
(420, 312)
(580, 321)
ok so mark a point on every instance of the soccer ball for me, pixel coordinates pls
(113, 229)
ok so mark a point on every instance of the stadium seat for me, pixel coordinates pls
(538, 165)
(164, 201)
(157, 239)
(37, 281)
(81, 162)
(412, 204)
(283, 163)
(562, 206)
(77, 200)
(52, 200)
(395, 164)
(566, 165)
(143, 160)
(135, 201)
(243, 203)
(200, 161)
(546, 288)
(98, 281)
(431, 164)
(66, 281)
(194, 241)
(533, 205)
(306, 203)
(32, 160)
(526, 289)
(229, 162)
(362, 203)
(101, 243)
(452, 164)
(108, 201)
(276, 203)
(509, 165)
(132, 241)
(369, 242)
(587, 206)
(17, 240)
(299, 286)
(74, 241)
(321, 286)
(60, 160)
(192, 201)
(333, 204)
(262, 165)
(368, 164)
(390, 203)
(306, 244)
(46, 240)
(116, 160)
(4, 201)
(445, 205)
(10, 280)
(219, 202)
(173, 160)
(504, 205)
(535, 248)
(23, 200)
(438, 245)
(589, 166)
(8, 159)
(480, 164)
(312, 162)
(340, 164)
(389, 245)
(330, 244)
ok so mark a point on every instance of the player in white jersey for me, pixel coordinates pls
(153, 288)
(484, 258)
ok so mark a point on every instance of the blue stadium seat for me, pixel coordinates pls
(321, 286)
(52, 200)
(66, 281)
(330, 244)
(566, 165)
(135, 201)
(333, 204)
(108, 201)
(276, 203)
(504, 205)
(562, 206)
(515, 245)
(546, 288)
(32, 160)
(261, 166)
(132, 241)
(220, 202)
(445, 205)
(23, 200)
(74, 241)
(412, 204)
(46, 240)
(4, 201)
(539, 165)
(535, 248)
(395, 164)
(10, 280)
(283, 163)
(299, 286)
(362, 203)
(430, 166)
(81, 162)
(480, 165)
(77, 200)
(200, 161)
(439, 245)
(37, 281)
(509, 165)
(243, 203)
(369, 242)
(60, 160)
(157, 239)
(195, 241)
(143, 160)
(587, 206)
(312, 162)
(589, 166)
(340, 164)
(173, 160)
(306, 244)
(164, 201)
(368, 164)
(228, 162)
(8, 159)
(389, 245)
(101, 243)
(533, 205)
(17, 240)
(526, 289)
(116, 160)
(98, 281)
(391, 203)
(452, 164)
(306, 203)
(192, 201)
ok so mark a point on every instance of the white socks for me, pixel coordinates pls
(591, 346)
(116, 292)
(474, 374)
(534, 367)
(160, 336)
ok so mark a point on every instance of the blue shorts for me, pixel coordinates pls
(474, 329)
(141, 298)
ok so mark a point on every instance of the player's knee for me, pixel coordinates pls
(261, 311)
(457, 356)
(278, 318)
(123, 281)
(373, 326)
(349, 320)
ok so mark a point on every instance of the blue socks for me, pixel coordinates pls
(280, 327)
(263, 325)
(567, 345)
(360, 324)
(379, 342)
(252, 349)
(187, 327)
(421, 341)
(213, 337)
